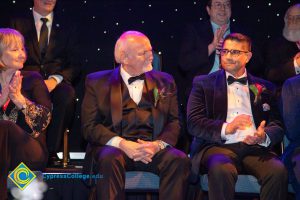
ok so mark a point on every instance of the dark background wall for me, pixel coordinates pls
(102, 21)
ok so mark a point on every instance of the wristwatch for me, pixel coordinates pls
(161, 144)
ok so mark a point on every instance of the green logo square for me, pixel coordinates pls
(22, 176)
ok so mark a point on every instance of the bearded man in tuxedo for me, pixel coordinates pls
(130, 119)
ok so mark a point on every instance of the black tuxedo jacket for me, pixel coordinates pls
(62, 55)
(279, 59)
(102, 107)
(194, 59)
(207, 111)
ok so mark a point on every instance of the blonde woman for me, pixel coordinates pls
(25, 110)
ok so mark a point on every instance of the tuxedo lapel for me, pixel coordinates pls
(254, 107)
(220, 103)
(33, 37)
(55, 28)
(151, 84)
(116, 97)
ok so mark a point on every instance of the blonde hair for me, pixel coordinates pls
(9, 37)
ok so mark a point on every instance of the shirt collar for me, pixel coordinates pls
(216, 26)
(243, 75)
(37, 16)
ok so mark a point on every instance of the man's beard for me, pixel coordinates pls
(292, 35)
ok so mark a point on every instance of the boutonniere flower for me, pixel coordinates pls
(158, 95)
(257, 89)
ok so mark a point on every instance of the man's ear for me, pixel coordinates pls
(208, 10)
(123, 57)
(249, 56)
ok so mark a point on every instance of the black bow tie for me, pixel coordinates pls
(231, 80)
(134, 78)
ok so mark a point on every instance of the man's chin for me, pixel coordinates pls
(291, 35)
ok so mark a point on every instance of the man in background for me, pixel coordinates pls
(52, 50)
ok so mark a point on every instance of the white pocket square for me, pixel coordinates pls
(266, 107)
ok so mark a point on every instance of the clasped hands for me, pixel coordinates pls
(141, 150)
(243, 122)
(11, 89)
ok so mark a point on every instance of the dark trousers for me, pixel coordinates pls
(294, 171)
(63, 99)
(17, 146)
(170, 164)
(224, 163)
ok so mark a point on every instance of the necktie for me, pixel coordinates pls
(43, 42)
(134, 78)
(231, 80)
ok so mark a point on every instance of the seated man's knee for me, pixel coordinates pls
(220, 170)
(64, 92)
(278, 172)
(110, 156)
(178, 158)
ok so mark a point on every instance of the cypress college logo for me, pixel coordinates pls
(22, 176)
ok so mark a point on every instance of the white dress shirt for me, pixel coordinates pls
(38, 25)
(135, 91)
(238, 96)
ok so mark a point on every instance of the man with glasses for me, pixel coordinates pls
(235, 123)
(283, 53)
(198, 53)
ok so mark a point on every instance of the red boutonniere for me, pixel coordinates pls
(257, 89)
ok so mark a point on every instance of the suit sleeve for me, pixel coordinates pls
(94, 130)
(194, 51)
(72, 64)
(199, 123)
(279, 66)
(291, 110)
(38, 111)
(274, 127)
(171, 130)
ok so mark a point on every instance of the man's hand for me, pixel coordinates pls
(297, 58)
(146, 151)
(241, 122)
(259, 136)
(51, 83)
(218, 37)
(129, 147)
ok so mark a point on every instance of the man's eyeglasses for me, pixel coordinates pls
(233, 52)
(295, 18)
(219, 5)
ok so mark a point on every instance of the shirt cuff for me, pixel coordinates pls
(267, 141)
(223, 135)
(115, 141)
(58, 78)
(165, 144)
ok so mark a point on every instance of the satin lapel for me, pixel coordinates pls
(220, 103)
(151, 84)
(254, 107)
(116, 97)
(34, 38)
